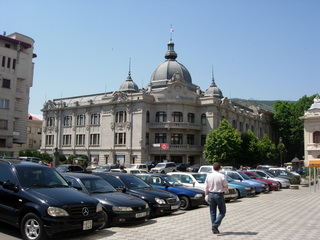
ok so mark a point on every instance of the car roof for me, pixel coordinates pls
(20, 162)
(79, 175)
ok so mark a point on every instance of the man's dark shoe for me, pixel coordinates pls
(215, 230)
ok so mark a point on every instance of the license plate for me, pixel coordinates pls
(87, 225)
(175, 207)
(139, 215)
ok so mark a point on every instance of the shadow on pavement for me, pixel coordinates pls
(238, 233)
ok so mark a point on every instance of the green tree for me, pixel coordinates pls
(223, 144)
(250, 152)
(46, 157)
(70, 158)
(268, 151)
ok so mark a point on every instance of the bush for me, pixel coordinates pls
(293, 180)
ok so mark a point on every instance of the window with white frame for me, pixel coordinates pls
(66, 139)
(4, 103)
(49, 140)
(50, 121)
(94, 139)
(67, 121)
(81, 120)
(120, 138)
(80, 139)
(95, 119)
(121, 116)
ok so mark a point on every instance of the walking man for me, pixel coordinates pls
(216, 183)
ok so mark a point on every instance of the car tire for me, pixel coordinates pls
(238, 196)
(280, 186)
(32, 227)
(106, 221)
(185, 203)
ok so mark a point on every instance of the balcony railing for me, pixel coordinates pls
(179, 147)
(180, 125)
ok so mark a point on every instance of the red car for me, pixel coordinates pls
(273, 185)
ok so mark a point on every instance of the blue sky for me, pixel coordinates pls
(259, 49)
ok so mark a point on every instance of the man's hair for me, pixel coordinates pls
(216, 166)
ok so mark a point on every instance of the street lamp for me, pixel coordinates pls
(280, 145)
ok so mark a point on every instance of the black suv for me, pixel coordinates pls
(39, 201)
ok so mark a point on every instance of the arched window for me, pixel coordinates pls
(316, 137)
(177, 117)
(203, 119)
(191, 117)
(161, 117)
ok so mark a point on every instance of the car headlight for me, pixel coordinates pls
(160, 201)
(199, 195)
(121, 209)
(57, 212)
(263, 185)
(99, 207)
(247, 188)
(274, 184)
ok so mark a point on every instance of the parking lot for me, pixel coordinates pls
(286, 214)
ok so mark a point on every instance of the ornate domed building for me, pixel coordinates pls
(169, 120)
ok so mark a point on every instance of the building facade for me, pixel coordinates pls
(16, 78)
(169, 120)
(311, 121)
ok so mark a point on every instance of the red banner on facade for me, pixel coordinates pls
(164, 146)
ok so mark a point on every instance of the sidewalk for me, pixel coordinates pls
(286, 214)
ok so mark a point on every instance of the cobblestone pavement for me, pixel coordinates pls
(286, 214)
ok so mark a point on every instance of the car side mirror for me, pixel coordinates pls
(11, 186)
(166, 185)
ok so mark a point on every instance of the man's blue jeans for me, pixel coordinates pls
(217, 201)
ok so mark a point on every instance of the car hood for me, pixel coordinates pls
(59, 196)
(239, 184)
(150, 193)
(118, 199)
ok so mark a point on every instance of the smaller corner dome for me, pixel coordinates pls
(129, 85)
(213, 90)
(316, 103)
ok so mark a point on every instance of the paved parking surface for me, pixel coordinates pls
(286, 214)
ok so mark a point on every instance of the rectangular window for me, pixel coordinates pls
(94, 139)
(66, 140)
(6, 83)
(176, 138)
(67, 121)
(3, 124)
(190, 139)
(147, 138)
(120, 138)
(50, 121)
(177, 117)
(121, 116)
(203, 140)
(80, 139)
(161, 138)
(95, 119)
(81, 120)
(3, 64)
(9, 63)
(14, 64)
(191, 117)
(4, 103)
(28, 129)
(161, 117)
(49, 140)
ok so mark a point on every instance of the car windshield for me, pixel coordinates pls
(206, 169)
(103, 167)
(133, 182)
(245, 176)
(95, 185)
(62, 168)
(44, 177)
(200, 177)
(133, 166)
(160, 165)
(271, 174)
(229, 179)
(172, 180)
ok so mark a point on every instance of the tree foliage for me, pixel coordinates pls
(223, 144)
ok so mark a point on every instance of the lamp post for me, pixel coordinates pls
(280, 146)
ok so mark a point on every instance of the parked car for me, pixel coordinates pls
(151, 164)
(197, 180)
(160, 202)
(164, 167)
(118, 207)
(39, 201)
(71, 168)
(139, 166)
(182, 167)
(265, 167)
(287, 174)
(206, 169)
(130, 170)
(241, 177)
(243, 189)
(284, 183)
(273, 185)
(105, 168)
(189, 197)
(193, 168)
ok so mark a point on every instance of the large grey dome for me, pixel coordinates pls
(213, 90)
(129, 85)
(168, 68)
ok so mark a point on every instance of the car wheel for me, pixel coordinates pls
(280, 186)
(238, 194)
(106, 221)
(32, 228)
(185, 202)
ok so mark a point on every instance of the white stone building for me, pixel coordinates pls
(16, 78)
(167, 121)
(311, 121)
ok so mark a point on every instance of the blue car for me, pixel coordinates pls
(243, 189)
(242, 177)
(189, 197)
